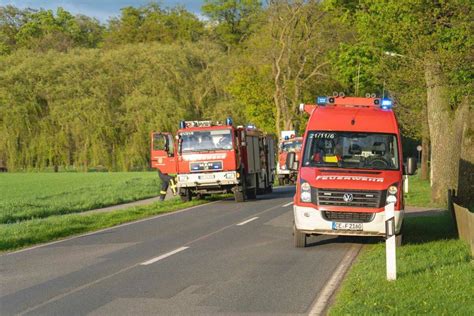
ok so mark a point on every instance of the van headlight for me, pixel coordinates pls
(305, 194)
(392, 193)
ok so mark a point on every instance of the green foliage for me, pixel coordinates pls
(434, 275)
(233, 19)
(39, 195)
(43, 30)
(152, 23)
(357, 67)
(252, 89)
(97, 107)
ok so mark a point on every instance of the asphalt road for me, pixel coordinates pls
(222, 257)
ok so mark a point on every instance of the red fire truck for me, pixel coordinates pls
(351, 168)
(209, 157)
(288, 143)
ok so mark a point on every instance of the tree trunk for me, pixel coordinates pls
(465, 192)
(425, 146)
(445, 127)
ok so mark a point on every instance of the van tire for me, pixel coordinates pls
(299, 238)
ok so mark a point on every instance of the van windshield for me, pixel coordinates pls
(206, 140)
(351, 150)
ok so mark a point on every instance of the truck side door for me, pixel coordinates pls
(163, 152)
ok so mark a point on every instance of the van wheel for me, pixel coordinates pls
(299, 238)
(186, 195)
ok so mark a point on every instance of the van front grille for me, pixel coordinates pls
(351, 198)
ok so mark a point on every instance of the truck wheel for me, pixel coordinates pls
(299, 238)
(187, 196)
(252, 194)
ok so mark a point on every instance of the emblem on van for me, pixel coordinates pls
(347, 197)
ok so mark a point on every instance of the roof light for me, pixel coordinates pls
(386, 104)
(321, 101)
(182, 124)
(228, 121)
(251, 126)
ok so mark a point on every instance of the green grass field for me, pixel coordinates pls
(38, 195)
(435, 275)
(30, 232)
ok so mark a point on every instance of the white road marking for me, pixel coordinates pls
(288, 204)
(166, 255)
(247, 221)
(321, 302)
(111, 228)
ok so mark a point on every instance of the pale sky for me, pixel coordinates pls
(100, 9)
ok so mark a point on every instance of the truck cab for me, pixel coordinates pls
(350, 169)
(211, 158)
(288, 143)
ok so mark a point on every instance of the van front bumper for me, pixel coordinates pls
(311, 221)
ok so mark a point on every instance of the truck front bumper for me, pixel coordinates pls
(311, 221)
(207, 179)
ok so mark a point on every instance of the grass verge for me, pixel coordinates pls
(27, 196)
(419, 193)
(435, 275)
(30, 232)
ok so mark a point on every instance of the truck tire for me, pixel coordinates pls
(187, 196)
(252, 194)
(299, 238)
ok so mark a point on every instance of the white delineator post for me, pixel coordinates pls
(390, 243)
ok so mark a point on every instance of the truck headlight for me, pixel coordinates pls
(182, 178)
(305, 194)
(282, 167)
(393, 190)
(392, 193)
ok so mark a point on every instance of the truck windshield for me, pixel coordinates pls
(206, 140)
(291, 145)
(351, 150)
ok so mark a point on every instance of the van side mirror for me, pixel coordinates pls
(410, 167)
(291, 161)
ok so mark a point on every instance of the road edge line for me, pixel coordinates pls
(107, 229)
(320, 304)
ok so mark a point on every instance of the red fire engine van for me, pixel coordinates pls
(288, 143)
(214, 158)
(351, 168)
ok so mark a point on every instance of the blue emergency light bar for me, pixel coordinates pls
(321, 100)
(386, 104)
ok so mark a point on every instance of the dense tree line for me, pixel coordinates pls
(77, 92)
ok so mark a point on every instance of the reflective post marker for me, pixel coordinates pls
(390, 242)
(405, 184)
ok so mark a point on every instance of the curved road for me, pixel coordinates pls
(219, 258)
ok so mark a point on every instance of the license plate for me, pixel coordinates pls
(346, 226)
(206, 176)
